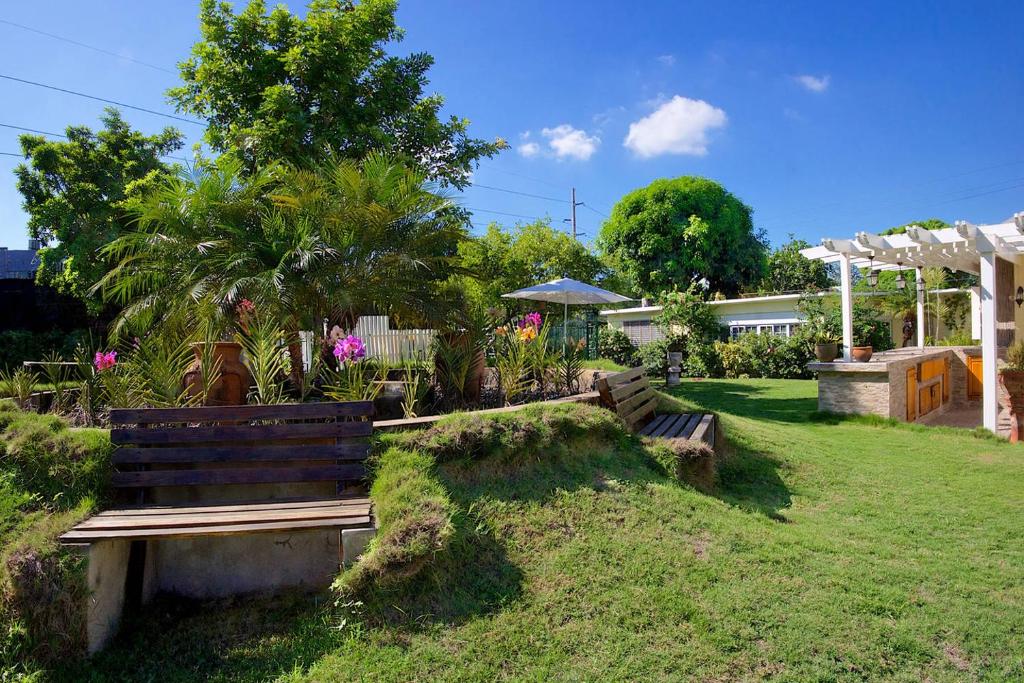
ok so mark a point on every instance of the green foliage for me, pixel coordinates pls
(353, 381)
(158, 363)
(680, 230)
(765, 355)
(957, 338)
(267, 349)
(414, 522)
(415, 386)
(501, 261)
(653, 356)
(19, 385)
(570, 365)
(692, 327)
(515, 436)
(825, 322)
(512, 360)
(17, 346)
(343, 239)
(1015, 356)
(78, 194)
(287, 86)
(788, 271)
(61, 466)
(56, 475)
(615, 345)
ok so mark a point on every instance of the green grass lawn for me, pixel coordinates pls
(831, 550)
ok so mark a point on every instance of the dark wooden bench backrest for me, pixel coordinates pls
(251, 444)
(630, 395)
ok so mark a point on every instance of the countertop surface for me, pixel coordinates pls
(881, 360)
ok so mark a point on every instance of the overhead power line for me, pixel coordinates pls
(522, 194)
(11, 154)
(102, 99)
(87, 47)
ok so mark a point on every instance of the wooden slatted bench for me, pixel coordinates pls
(630, 395)
(285, 481)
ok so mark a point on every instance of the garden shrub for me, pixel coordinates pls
(414, 520)
(17, 346)
(653, 356)
(614, 345)
(765, 355)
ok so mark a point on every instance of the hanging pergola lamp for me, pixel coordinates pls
(901, 282)
(872, 273)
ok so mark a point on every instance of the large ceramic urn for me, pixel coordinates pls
(231, 386)
(1013, 383)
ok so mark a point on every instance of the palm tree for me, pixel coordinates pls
(336, 241)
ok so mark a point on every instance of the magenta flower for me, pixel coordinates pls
(350, 349)
(104, 361)
(531, 320)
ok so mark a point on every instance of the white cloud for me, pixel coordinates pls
(813, 83)
(667, 60)
(567, 141)
(528, 149)
(678, 126)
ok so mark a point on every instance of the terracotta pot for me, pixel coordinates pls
(231, 387)
(862, 354)
(826, 353)
(1013, 382)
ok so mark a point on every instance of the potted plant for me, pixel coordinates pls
(826, 346)
(861, 354)
(1011, 377)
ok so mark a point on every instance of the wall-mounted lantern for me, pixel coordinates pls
(1019, 298)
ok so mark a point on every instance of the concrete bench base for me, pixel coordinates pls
(214, 567)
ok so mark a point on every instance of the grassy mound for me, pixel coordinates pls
(51, 476)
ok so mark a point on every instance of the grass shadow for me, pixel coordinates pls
(746, 400)
(750, 480)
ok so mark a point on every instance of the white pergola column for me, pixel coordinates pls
(989, 373)
(846, 298)
(919, 285)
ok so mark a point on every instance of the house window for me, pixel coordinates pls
(642, 332)
(736, 330)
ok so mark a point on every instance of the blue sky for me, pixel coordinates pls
(826, 118)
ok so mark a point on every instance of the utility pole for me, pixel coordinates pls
(574, 204)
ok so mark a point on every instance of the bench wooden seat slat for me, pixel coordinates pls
(284, 504)
(670, 424)
(685, 427)
(220, 518)
(137, 455)
(645, 408)
(279, 411)
(654, 424)
(76, 536)
(181, 435)
(623, 377)
(264, 475)
(705, 431)
(625, 407)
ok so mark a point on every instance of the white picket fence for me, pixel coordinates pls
(381, 341)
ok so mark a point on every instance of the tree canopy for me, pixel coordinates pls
(79, 192)
(339, 240)
(676, 231)
(504, 260)
(787, 271)
(279, 86)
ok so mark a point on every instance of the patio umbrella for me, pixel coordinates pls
(567, 291)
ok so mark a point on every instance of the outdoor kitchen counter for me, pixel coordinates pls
(880, 386)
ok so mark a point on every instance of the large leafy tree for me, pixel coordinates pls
(503, 260)
(787, 271)
(337, 240)
(280, 86)
(676, 231)
(79, 194)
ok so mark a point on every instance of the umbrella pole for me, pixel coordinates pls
(565, 327)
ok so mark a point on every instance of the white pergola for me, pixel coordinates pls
(964, 247)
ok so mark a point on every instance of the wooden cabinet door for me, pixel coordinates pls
(974, 388)
(911, 394)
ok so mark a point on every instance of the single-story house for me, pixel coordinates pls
(776, 314)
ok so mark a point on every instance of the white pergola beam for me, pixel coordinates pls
(989, 373)
(919, 285)
(846, 303)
